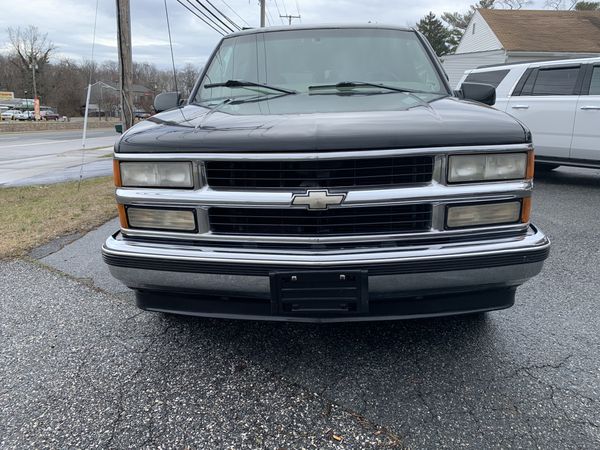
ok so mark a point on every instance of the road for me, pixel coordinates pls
(52, 156)
(82, 367)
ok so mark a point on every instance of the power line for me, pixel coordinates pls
(269, 16)
(223, 24)
(298, 9)
(290, 17)
(220, 26)
(223, 14)
(218, 30)
(222, 33)
(212, 17)
(234, 11)
(278, 12)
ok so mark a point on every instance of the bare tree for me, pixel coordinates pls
(30, 50)
(145, 73)
(186, 78)
(561, 4)
(512, 4)
(10, 76)
(108, 71)
(62, 84)
(65, 83)
(30, 45)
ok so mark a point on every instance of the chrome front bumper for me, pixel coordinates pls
(409, 272)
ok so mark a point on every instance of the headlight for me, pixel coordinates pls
(156, 174)
(492, 167)
(483, 214)
(161, 219)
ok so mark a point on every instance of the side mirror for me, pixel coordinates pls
(167, 100)
(479, 92)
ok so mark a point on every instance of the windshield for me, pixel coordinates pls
(297, 59)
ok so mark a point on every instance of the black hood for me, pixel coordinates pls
(324, 122)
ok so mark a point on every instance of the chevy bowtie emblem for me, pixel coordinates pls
(317, 199)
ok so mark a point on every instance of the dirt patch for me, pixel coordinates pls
(34, 215)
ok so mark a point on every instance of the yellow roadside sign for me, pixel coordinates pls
(6, 95)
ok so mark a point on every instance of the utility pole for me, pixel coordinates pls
(125, 62)
(290, 17)
(262, 13)
(33, 66)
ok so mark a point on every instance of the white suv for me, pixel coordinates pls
(558, 100)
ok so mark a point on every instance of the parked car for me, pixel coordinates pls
(558, 100)
(25, 115)
(49, 114)
(141, 114)
(325, 174)
(93, 111)
(10, 114)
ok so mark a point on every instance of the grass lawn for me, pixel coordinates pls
(33, 215)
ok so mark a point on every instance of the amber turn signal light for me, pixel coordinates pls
(525, 209)
(117, 173)
(122, 216)
(530, 164)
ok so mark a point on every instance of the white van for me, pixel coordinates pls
(558, 100)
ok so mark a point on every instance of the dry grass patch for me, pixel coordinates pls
(33, 215)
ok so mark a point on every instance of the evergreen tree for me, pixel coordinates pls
(436, 33)
(587, 6)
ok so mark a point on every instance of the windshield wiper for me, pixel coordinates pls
(211, 111)
(357, 84)
(242, 84)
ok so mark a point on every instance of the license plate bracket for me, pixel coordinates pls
(322, 293)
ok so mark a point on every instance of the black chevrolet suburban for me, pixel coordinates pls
(325, 174)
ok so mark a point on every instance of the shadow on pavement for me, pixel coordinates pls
(570, 175)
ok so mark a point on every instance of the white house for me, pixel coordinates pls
(501, 36)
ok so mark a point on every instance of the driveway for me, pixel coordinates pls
(82, 367)
(43, 157)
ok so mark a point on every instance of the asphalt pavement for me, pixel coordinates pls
(82, 367)
(44, 157)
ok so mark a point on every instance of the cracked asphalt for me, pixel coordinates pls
(82, 367)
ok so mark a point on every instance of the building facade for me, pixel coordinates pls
(496, 36)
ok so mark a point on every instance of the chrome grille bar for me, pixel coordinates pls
(338, 173)
(331, 222)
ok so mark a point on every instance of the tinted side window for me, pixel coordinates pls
(525, 83)
(493, 77)
(556, 81)
(595, 83)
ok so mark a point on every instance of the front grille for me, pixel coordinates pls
(331, 222)
(336, 173)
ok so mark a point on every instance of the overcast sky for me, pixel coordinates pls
(69, 23)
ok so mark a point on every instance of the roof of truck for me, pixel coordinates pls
(318, 27)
